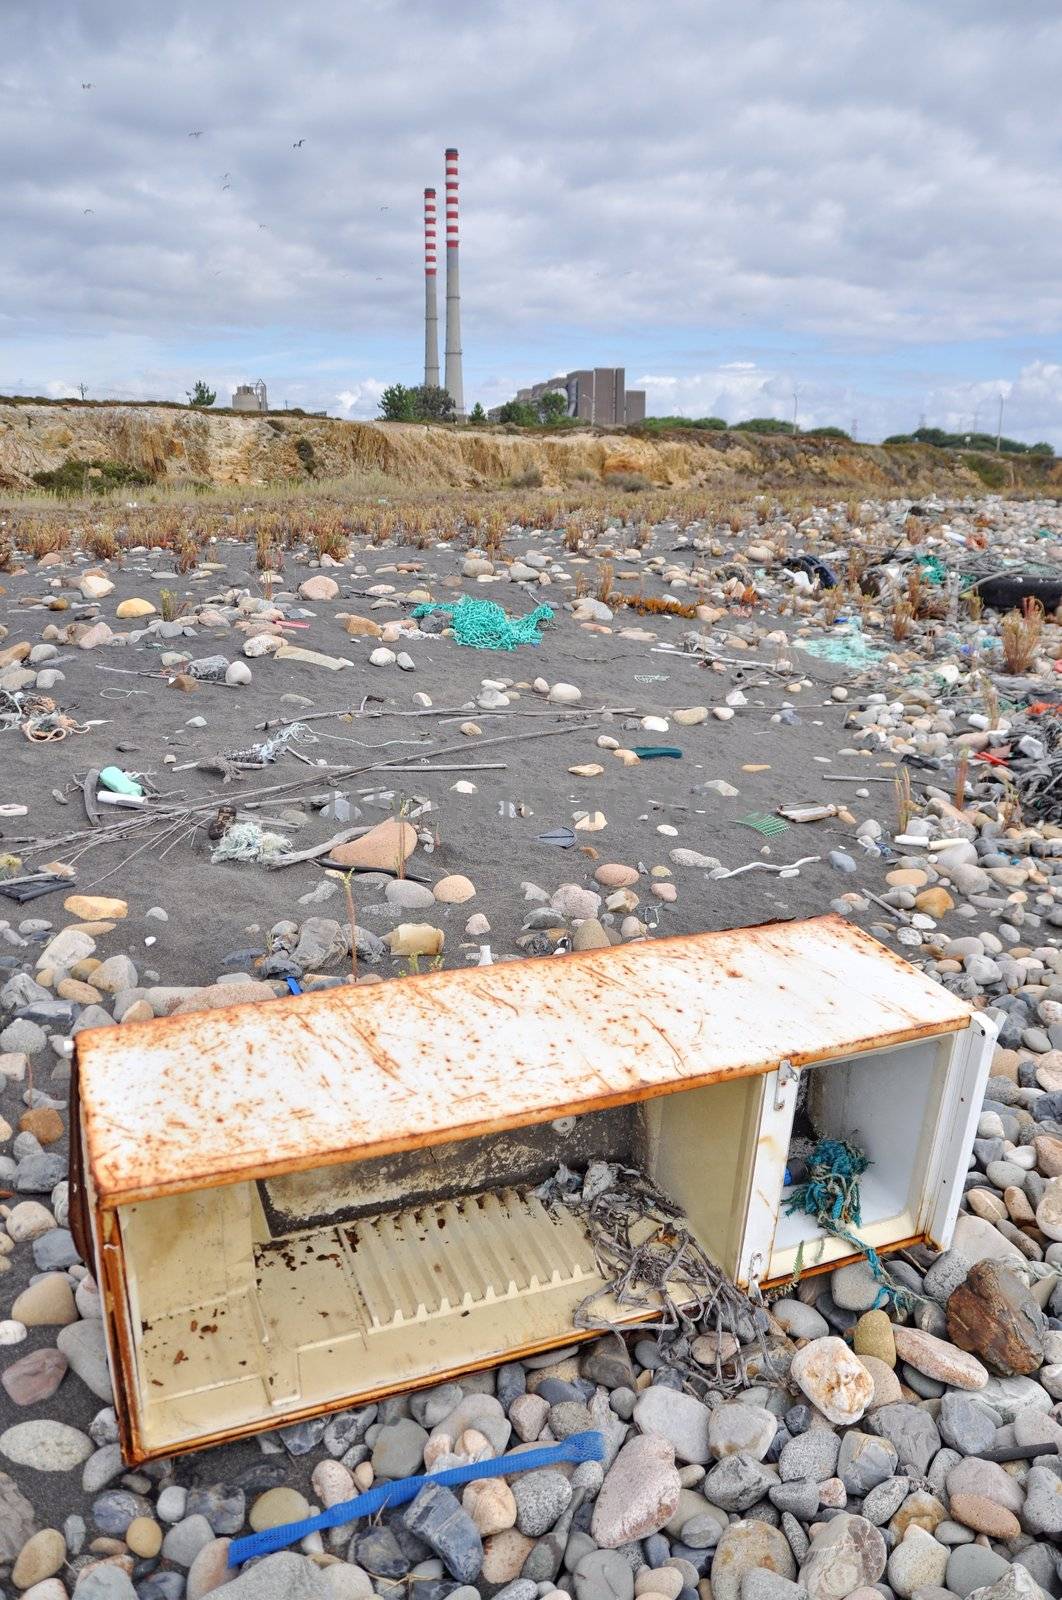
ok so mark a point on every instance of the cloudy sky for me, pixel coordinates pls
(850, 205)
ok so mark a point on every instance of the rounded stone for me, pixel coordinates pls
(917, 1562)
(454, 890)
(873, 1336)
(833, 1379)
(277, 1506)
(984, 1515)
(144, 1537)
(40, 1557)
(743, 1547)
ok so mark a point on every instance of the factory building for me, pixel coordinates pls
(250, 397)
(596, 395)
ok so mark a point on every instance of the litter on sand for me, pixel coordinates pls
(483, 625)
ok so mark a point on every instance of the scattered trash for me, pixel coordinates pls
(810, 813)
(564, 838)
(650, 752)
(119, 782)
(587, 1446)
(483, 625)
(248, 841)
(769, 826)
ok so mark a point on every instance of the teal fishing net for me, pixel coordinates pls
(831, 1196)
(485, 626)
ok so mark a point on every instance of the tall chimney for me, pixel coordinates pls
(431, 310)
(454, 377)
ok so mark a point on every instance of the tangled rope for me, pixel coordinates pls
(646, 1253)
(831, 1196)
(485, 626)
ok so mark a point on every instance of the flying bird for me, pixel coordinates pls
(196, 133)
(383, 208)
(225, 186)
(298, 144)
(88, 212)
(88, 85)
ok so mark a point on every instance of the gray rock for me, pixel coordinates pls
(104, 1583)
(284, 1576)
(55, 1250)
(223, 1505)
(885, 1499)
(45, 1445)
(17, 1522)
(855, 1288)
(604, 1575)
(101, 1468)
(679, 1418)
(437, 1517)
(799, 1497)
(22, 1036)
(540, 1498)
(84, 1346)
(763, 1584)
(947, 1273)
(737, 1482)
(398, 1449)
(114, 1511)
(810, 1455)
(183, 1542)
(1006, 1396)
(800, 1321)
(379, 1552)
(911, 1432)
(864, 1461)
(971, 1567)
(40, 1172)
(606, 1362)
(966, 1424)
(1042, 1512)
(848, 1553)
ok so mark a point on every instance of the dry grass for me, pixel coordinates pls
(663, 605)
(606, 577)
(901, 619)
(1019, 635)
(905, 805)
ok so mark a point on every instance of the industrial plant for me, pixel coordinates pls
(597, 395)
(250, 397)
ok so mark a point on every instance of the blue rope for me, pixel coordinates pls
(588, 1446)
(831, 1196)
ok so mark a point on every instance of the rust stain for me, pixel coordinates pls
(350, 1073)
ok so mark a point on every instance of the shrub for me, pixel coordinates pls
(91, 477)
(526, 478)
(304, 451)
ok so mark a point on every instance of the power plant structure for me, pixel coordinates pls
(454, 382)
(250, 397)
(597, 395)
(431, 308)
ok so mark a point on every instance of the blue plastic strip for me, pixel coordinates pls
(579, 1447)
(293, 985)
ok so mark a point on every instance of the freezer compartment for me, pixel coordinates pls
(912, 1111)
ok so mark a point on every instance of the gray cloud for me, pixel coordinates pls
(861, 180)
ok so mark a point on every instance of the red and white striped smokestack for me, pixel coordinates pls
(431, 310)
(454, 376)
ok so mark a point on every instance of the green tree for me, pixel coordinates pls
(201, 395)
(518, 412)
(397, 404)
(553, 406)
(432, 404)
(477, 414)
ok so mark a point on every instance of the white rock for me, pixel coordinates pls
(565, 694)
(238, 672)
(382, 657)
